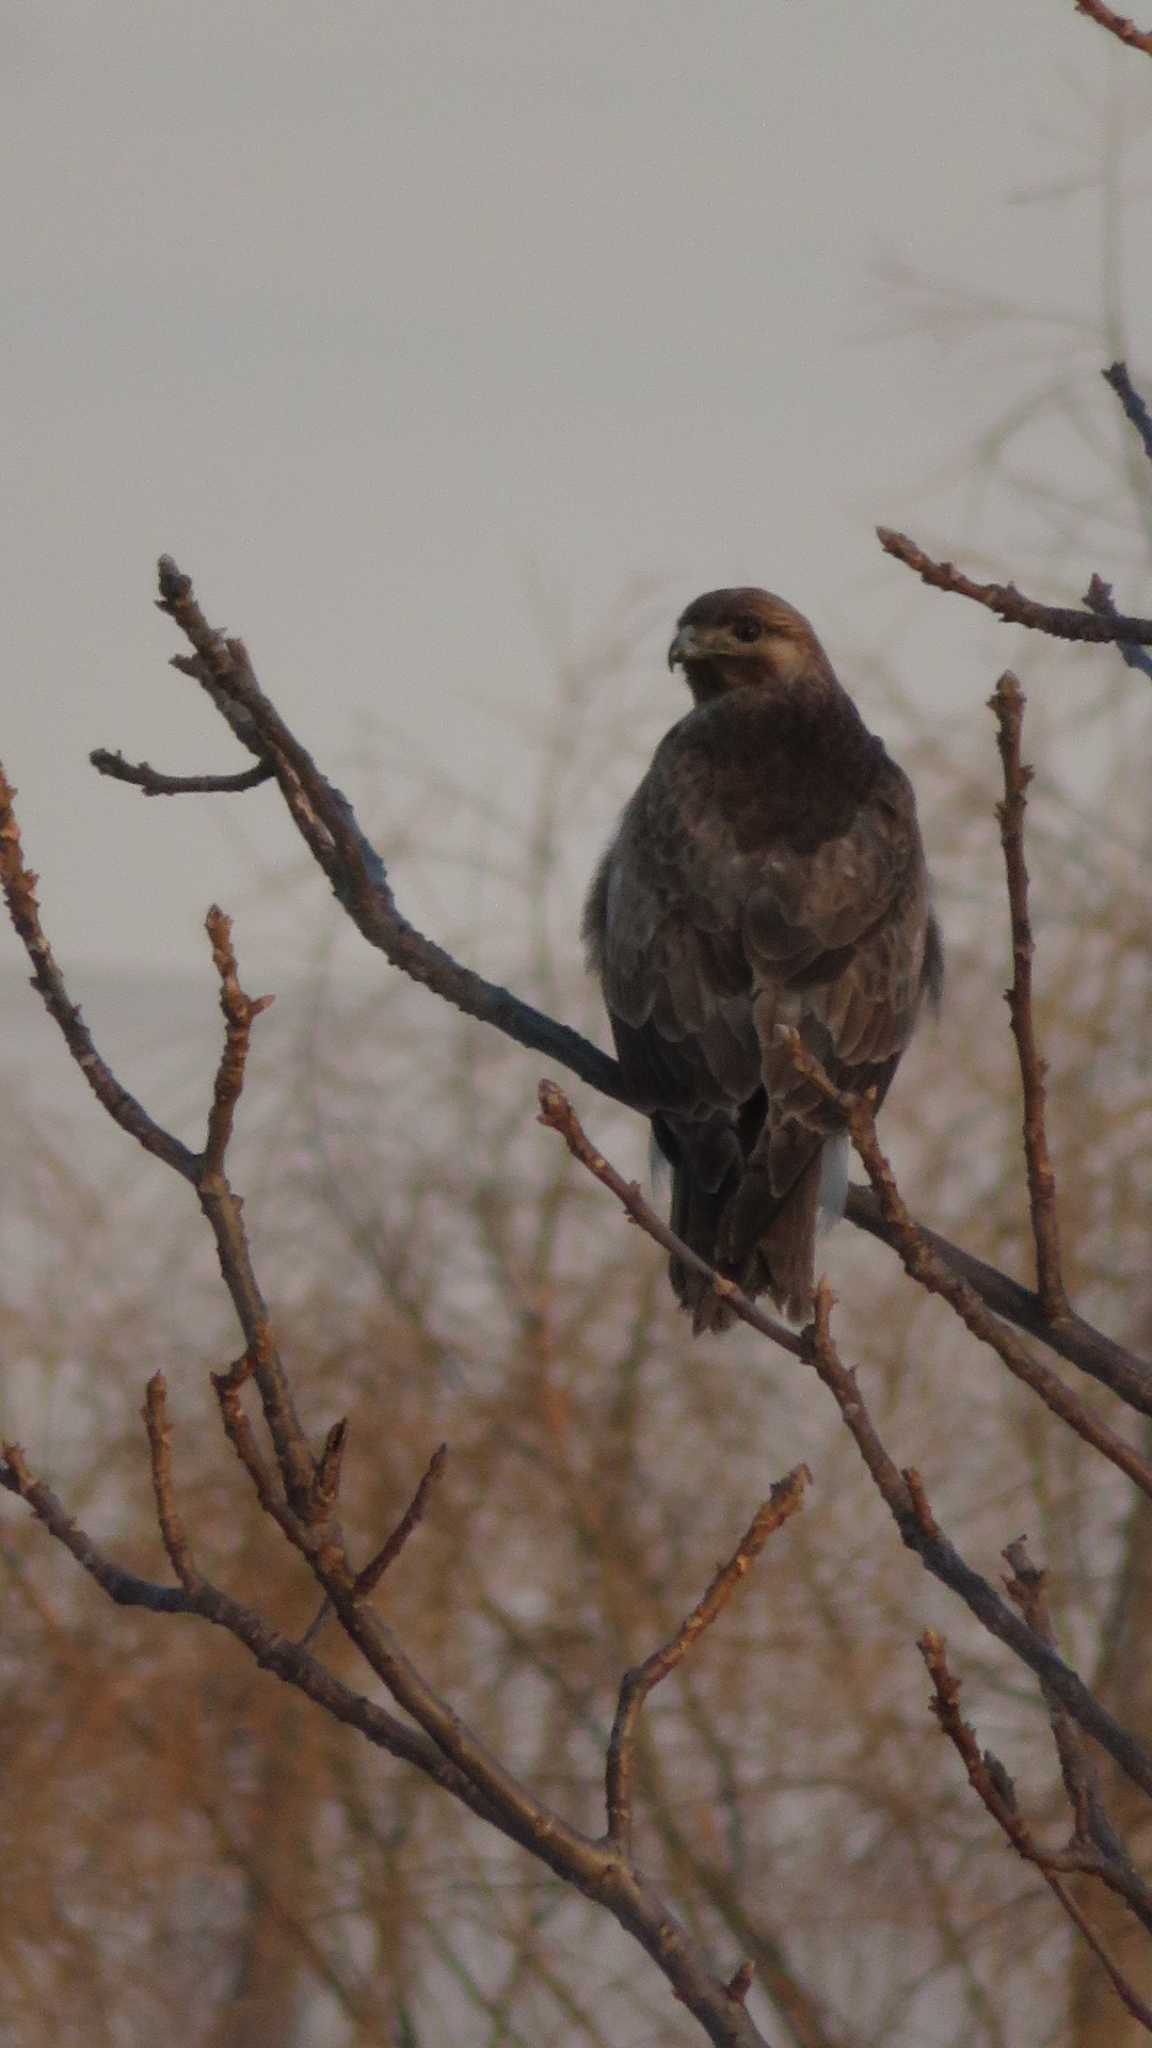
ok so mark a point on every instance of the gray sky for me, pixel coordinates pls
(374, 313)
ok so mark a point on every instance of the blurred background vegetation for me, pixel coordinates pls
(188, 1850)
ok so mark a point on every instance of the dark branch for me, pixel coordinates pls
(922, 1265)
(786, 1496)
(1008, 703)
(1078, 1341)
(369, 1578)
(1010, 604)
(1135, 410)
(168, 1515)
(360, 881)
(1098, 598)
(991, 1782)
(1095, 1841)
(240, 1013)
(902, 1493)
(1117, 25)
(19, 885)
(557, 1113)
(151, 782)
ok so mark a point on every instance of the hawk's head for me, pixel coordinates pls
(729, 639)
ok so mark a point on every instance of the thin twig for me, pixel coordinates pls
(740, 1982)
(151, 782)
(272, 1651)
(917, 1526)
(217, 1198)
(1117, 25)
(1010, 604)
(1135, 410)
(268, 1489)
(1112, 1364)
(126, 1588)
(329, 1467)
(160, 1452)
(557, 1113)
(924, 1267)
(1098, 598)
(1102, 1852)
(994, 1787)
(19, 885)
(369, 1578)
(786, 1496)
(1007, 702)
(240, 1013)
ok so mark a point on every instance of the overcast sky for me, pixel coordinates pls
(380, 314)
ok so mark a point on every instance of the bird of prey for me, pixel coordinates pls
(767, 873)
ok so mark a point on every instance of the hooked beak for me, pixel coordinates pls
(684, 647)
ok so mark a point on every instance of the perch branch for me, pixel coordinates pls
(557, 1114)
(359, 879)
(921, 1263)
(1112, 1364)
(903, 1494)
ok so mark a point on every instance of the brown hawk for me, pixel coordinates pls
(768, 872)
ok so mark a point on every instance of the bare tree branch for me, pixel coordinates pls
(786, 1496)
(1112, 1364)
(300, 1497)
(150, 781)
(1135, 410)
(372, 1573)
(19, 885)
(240, 1013)
(923, 1266)
(167, 1513)
(1098, 598)
(1117, 25)
(902, 1492)
(1007, 701)
(989, 1779)
(360, 881)
(1095, 1842)
(1010, 604)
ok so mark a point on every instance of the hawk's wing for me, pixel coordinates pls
(705, 944)
(722, 911)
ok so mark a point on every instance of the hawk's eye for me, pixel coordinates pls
(746, 628)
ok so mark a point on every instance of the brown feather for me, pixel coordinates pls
(767, 872)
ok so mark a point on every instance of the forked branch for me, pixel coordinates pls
(989, 1779)
(328, 824)
(1063, 622)
(786, 1496)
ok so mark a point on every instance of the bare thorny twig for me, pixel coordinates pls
(300, 1489)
